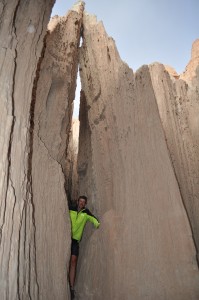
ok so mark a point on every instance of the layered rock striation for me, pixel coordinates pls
(38, 81)
(22, 29)
(55, 92)
(178, 104)
(144, 248)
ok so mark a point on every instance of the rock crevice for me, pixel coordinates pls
(52, 123)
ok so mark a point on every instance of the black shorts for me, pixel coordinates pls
(74, 247)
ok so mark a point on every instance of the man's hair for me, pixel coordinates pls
(83, 197)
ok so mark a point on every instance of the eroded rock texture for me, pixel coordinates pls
(144, 247)
(22, 29)
(38, 80)
(178, 103)
(192, 67)
(52, 124)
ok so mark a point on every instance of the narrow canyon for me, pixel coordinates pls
(134, 152)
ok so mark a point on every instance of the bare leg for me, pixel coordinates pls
(72, 271)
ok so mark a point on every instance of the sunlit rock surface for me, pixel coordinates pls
(172, 71)
(144, 247)
(22, 29)
(178, 103)
(192, 68)
(52, 124)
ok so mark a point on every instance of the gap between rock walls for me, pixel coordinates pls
(72, 151)
(71, 180)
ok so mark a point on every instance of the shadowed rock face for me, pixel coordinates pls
(144, 247)
(52, 123)
(36, 113)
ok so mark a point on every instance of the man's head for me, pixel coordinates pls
(82, 201)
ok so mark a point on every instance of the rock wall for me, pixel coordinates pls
(55, 92)
(22, 29)
(191, 70)
(38, 81)
(144, 247)
(178, 103)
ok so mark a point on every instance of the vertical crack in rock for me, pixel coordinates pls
(52, 125)
(145, 241)
(13, 118)
(85, 171)
(71, 176)
(29, 173)
(9, 159)
(19, 52)
(10, 144)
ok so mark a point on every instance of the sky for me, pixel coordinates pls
(145, 31)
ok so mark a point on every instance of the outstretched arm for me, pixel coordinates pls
(91, 218)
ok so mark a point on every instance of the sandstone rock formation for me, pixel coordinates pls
(37, 90)
(144, 248)
(22, 29)
(172, 71)
(52, 123)
(178, 103)
(137, 163)
(191, 69)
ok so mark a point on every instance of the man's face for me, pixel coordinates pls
(81, 203)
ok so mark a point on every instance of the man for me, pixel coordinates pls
(79, 216)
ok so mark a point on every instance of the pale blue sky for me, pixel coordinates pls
(146, 31)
